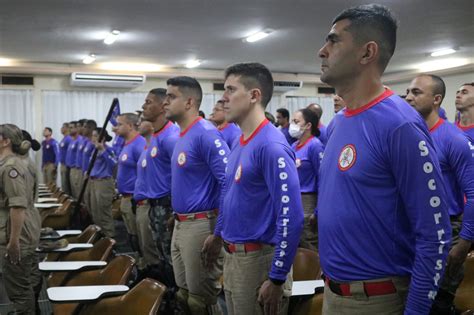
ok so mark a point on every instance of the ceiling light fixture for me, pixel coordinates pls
(126, 66)
(111, 37)
(441, 64)
(89, 59)
(4, 62)
(443, 52)
(193, 63)
(258, 36)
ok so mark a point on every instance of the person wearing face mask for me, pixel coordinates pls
(309, 152)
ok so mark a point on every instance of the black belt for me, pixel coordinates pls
(161, 202)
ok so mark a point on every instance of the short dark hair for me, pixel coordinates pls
(310, 116)
(65, 124)
(284, 112)
(202, 114)
(74, 122)
(82, 121)
(90, 123)
(471, 84)
(315, 107)
(373, 22)
(49, 129)
(131, 118)
(158, 92)
(438, 84)
(188, 86)
(254, 75)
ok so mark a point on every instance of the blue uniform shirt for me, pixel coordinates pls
(198, 168)
(456, 157)
(468, 130)
(382, 205)
(104, 164)
(117, 144)
(72, 152)
(158, 161)
(141, 187)
(127, 164)
(80, 151)
(63, 146)
(230, 132)
(50, 151)
(286, 132)
(87, 152)
(323, 137)
(262, 201)
(308, 159)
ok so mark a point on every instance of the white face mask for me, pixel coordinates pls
(295, 131)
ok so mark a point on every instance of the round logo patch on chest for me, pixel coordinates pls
(182, 159)
(13, 173)
(154, 152)
(124, 157)
(143, 163)
(347, 157)
(47, 146)
(298, 163)
(238, 173)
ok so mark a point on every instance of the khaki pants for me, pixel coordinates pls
(23, 281)
(128, 216)
(202, 285)
(75, 178)
(65, 183)
(360, 303)
(145, 239)
(244, 273)
(49, 173)
(101, 196)
(309, 237)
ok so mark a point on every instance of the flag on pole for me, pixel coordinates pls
(115, 114)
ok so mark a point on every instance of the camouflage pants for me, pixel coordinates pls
(159, 214)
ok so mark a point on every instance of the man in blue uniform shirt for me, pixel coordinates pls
(261, 216)
(50, 157)
(63, 146)
(198, 169)
(230, 131)
(283, 121)
(383, 224)
(71, 156)
(465, 106)
(425, 94)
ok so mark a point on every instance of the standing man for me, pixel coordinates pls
(283, 121)
(261, 218)
(465, 106)
(148, 248)
(230, 131)
(425, 94)
(127, 172)
(87, 152)
(323, 134)
(158, 180)
(71, 156)
(50, 157)
(339, 103)
(382, 247)
(63, 146)
(198, 169)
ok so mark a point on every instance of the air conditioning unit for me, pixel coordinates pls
(285, 86)
(122, 81)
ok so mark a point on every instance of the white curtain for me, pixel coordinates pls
(16, 107)
(294, 103)
(65, 106)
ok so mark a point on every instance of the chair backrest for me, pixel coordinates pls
(101, 251)
(306, 265)
(63, 198)
(117, 271)
(144, 298)
(311, 306)
(89, 235)
(464, 299)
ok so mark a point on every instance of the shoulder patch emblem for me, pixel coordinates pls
(124, 157)
(13, 173)
(182, 159)
(347, 158)
(154, 152)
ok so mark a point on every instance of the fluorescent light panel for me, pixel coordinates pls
(443, 52)
(126, 66)
(89, 59)
(441, 64)
(258, 36)
(193, 63)
(111, 37)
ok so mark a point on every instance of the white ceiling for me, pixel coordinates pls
(62, 32)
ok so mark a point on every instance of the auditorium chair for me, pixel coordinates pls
(310, 306)
(57, 218)
(90, 235)
(117, 272)
(464, 299)
(306, 265)
(101, 251)
(144, 299)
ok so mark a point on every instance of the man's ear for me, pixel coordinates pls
(370, 53)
